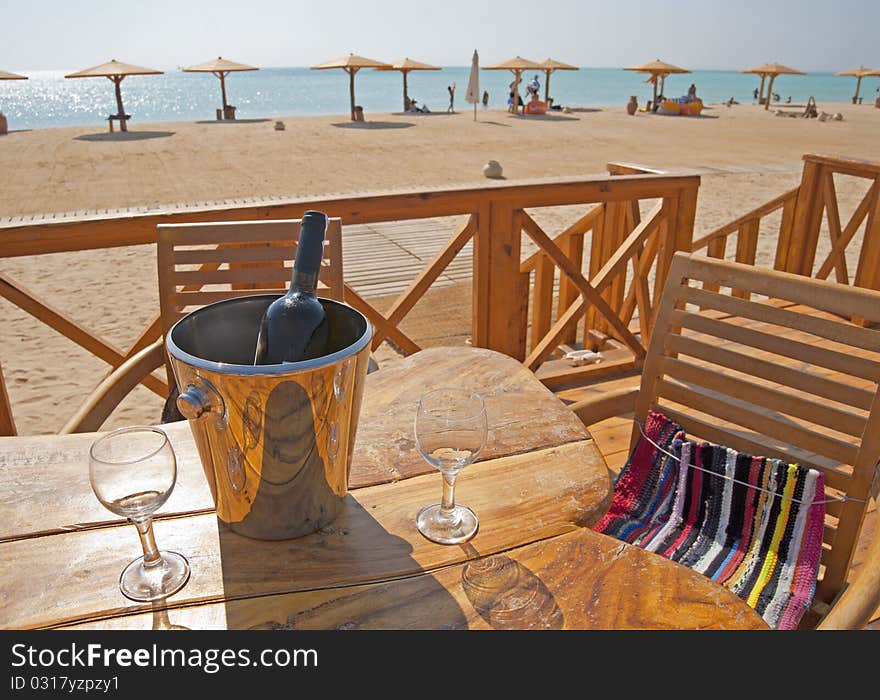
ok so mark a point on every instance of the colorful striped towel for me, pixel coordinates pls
(762, 540)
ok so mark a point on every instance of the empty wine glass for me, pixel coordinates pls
(132, 472)
(450, 430)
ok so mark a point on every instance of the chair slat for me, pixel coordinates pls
(836, 476)
(779, 345)
(807, 382)
(725, 384)
(865, 338)
(757, 418)
(832, 297)
(229, 232)
(240, 274)
(195, 256)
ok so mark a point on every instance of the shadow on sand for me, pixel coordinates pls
(233, 121)
(547, 117)
(372, 125)
(125, 136)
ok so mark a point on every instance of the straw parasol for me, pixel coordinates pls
(472, 95)
(6, 75)
(516, 65)
(116, 72)
(657, 69)
(771, 70)
(859, 73)
(549, 65)
(405, 66)
(221, 68)
(351, 64)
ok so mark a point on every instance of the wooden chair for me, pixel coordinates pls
(775, 369)
(202, 263)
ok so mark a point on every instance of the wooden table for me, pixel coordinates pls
(533, 564)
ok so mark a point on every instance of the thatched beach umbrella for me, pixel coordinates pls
(116, 72)
(351, 64)
(658, 70)
(770, 70)
(221, 68)
(859, 73)
(405, 66)
(516, 65)
(549, 65)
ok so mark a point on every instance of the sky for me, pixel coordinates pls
(811, 35)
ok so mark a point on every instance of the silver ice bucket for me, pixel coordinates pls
(275, 441)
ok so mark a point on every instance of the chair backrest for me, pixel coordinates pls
(206, 262)
(775, 369)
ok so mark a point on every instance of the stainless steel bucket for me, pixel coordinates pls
(275, 441)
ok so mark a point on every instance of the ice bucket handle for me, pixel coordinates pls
(200, 398)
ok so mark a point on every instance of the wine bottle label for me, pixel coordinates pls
(304, 281)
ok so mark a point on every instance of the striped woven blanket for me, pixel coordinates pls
(753, 524)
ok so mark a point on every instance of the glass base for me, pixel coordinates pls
(445, 529)
(144, 584)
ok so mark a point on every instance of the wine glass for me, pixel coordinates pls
(132, 472)
(450, 431)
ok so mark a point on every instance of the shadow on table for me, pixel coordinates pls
(125, 136)
(295, 584)
(508, 595)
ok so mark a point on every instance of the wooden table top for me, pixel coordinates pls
(534, 563)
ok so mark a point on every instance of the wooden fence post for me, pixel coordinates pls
(807, 220)
(500, 304)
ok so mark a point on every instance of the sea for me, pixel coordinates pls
(48, 99)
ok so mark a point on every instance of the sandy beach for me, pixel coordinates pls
(745, 156)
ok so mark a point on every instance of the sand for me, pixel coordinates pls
(745, 156)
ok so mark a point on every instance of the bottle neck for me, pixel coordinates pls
(303, 282)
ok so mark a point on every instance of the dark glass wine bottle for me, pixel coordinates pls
(294, 327)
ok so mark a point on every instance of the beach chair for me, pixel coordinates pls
(774, 369)
(202, 263)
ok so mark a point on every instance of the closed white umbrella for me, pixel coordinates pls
(473, 87)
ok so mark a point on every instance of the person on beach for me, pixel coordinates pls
(692, 91)
(451, 89)
(485, 98)
(533, 88)
(755, 93)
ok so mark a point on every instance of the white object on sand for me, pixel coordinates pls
(492, 169)
(583, 357)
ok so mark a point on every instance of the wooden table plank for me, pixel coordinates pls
(518, 499)
(46, 478)
(523, 414)
(579, 580)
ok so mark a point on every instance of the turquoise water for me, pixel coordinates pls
(47, 99)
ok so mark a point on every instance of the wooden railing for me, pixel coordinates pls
(800, 226)
(556, 298)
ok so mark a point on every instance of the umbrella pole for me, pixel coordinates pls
(858, 85)
(223, 91)
(769, 92)
(547, 85)
(117, 81)
(654, 103)
(761, 91)
(405, 93)
(351, 72)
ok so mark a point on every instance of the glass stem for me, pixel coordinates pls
(148, 542)
(448, 503)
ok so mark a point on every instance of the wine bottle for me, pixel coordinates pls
(294, 327)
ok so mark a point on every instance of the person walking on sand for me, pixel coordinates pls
(451, 89)
(485, 98)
